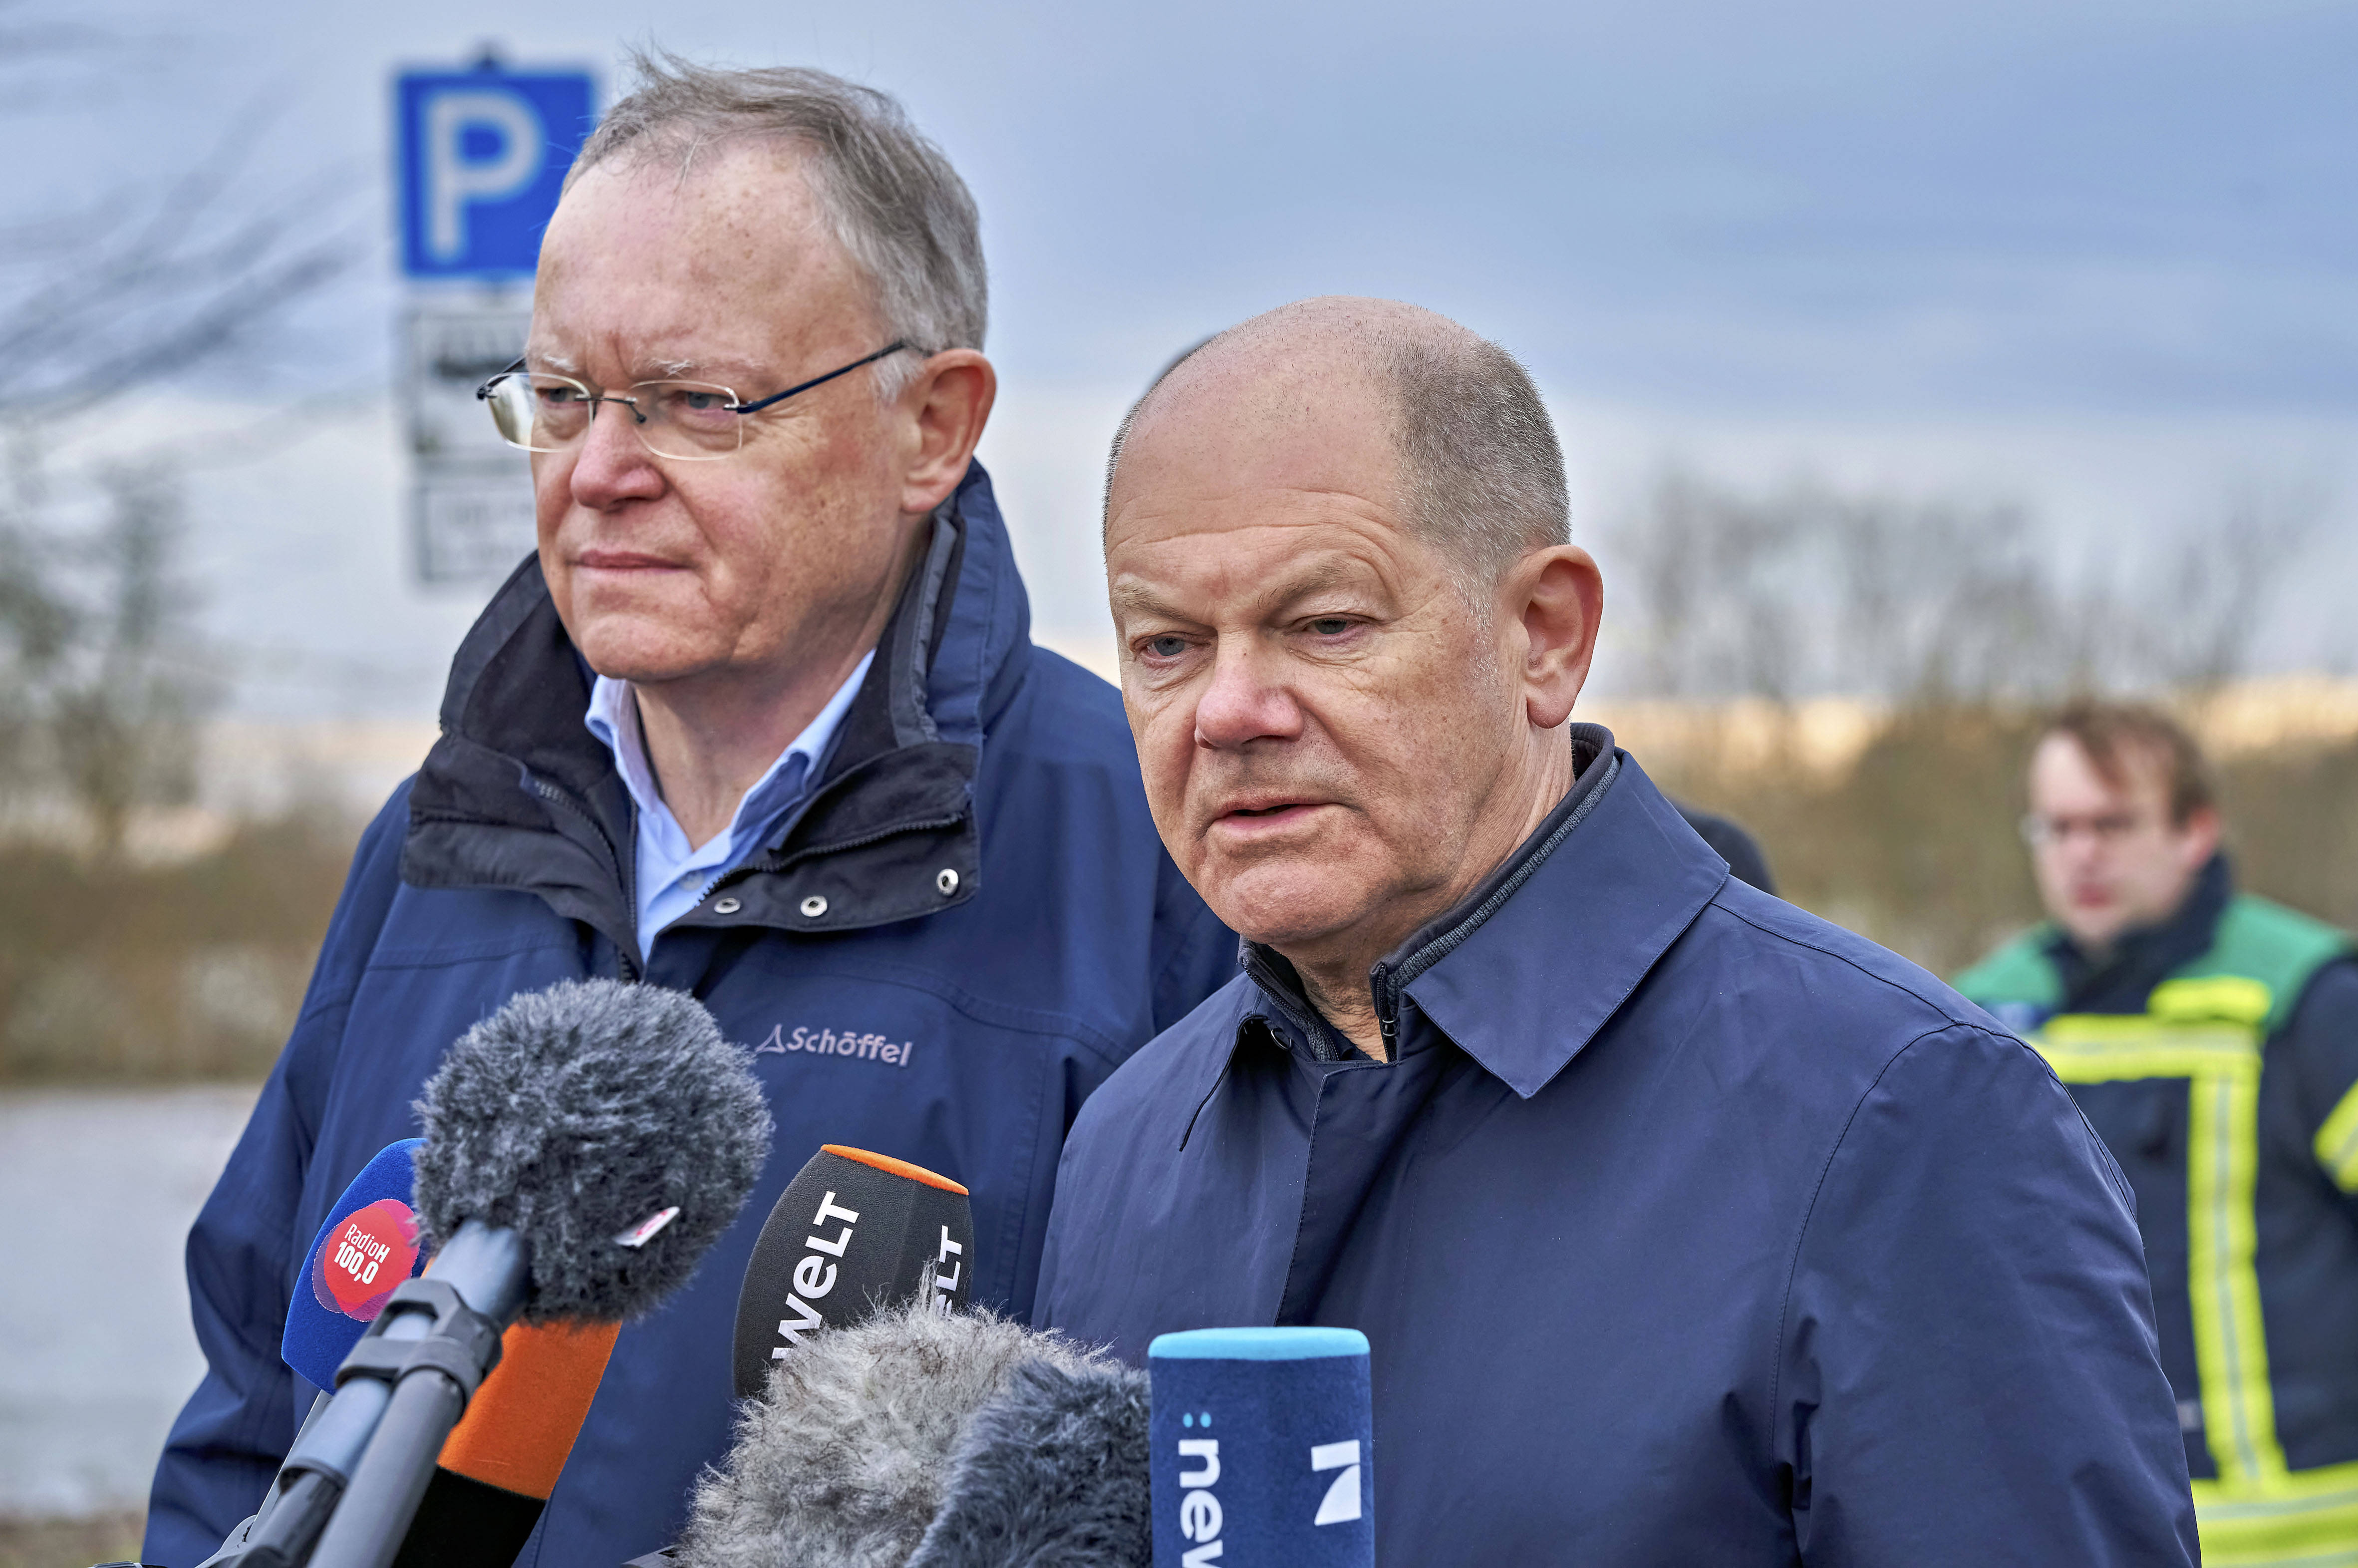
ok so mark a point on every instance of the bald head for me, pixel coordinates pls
(1350, 630)
(1468, 455)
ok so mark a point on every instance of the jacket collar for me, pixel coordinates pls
(1598, 893)
(517, 793)
(2143, 957)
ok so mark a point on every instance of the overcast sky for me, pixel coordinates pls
(2103, 256)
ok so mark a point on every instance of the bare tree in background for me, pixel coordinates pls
(2209, 600)
(123, 704)
(1808, 590)
(143, 287)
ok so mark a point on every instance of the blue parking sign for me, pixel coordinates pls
(482, 157)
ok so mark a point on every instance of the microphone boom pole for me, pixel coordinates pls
(431, 1380)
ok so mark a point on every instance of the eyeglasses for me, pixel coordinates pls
(689, 419)
(2044, 832)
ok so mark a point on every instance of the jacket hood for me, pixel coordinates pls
(517, 793)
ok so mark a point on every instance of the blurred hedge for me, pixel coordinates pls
(70, 1542)
(117, 971)
(196, 970)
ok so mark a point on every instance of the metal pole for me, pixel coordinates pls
(368, 1525)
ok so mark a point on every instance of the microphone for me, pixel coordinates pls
(1051, 1473)
(502, 1461)
(847, 1456)
(583, 1146)
(368, 1245)
(853, 1233)
(1262, 1440)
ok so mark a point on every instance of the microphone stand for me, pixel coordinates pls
(354, 1476)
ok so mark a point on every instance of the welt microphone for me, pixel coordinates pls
(852, 1233)
(1262, 1442)
(583, 1146)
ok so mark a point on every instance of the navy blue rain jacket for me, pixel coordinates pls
(997, 906)
(1686, 1227)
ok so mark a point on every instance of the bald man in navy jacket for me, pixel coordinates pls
(1687, 1229)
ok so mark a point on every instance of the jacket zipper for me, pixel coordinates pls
(1380, 982)
(626, 958)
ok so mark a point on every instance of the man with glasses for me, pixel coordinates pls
(761, 720)
(2211, 1038)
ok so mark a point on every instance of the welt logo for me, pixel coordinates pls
(828, 1042)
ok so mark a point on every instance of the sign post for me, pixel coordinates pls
(481, 157)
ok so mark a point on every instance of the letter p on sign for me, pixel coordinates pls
(482, 156)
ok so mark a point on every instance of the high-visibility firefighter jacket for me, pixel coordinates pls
(2216, 1054)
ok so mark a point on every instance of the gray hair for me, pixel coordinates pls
(1480, 461)
(1481, 472)
(890, 197)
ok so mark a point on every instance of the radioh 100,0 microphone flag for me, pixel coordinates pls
(369, 1244)
(1262, 1448)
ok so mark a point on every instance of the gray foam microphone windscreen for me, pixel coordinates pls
(1051, 1473)
(842, 1463)
(576, 1114)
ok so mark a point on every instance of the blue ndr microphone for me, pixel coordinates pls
(1262, 1442)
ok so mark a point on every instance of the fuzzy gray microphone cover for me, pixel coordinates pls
(1051, 1473)
(575, 1114)
(847, 1457)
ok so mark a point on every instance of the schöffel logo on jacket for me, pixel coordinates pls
(828, 1042)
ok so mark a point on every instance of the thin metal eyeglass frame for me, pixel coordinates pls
(483, 392)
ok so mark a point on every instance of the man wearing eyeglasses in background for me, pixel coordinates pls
(761, 722)
(2211, 1039)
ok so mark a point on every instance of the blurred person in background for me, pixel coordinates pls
(2211, 1038)
(761, 722)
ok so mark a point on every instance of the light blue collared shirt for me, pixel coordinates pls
(674, 876)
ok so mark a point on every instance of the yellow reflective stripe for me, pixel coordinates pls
(2207, 999)
(2231, 1353)
(2221, 1063)
(2304, 1519)
(2099, 1048)
(2337, 1143)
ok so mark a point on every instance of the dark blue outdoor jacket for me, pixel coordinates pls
(1067, 941)
(1687, 1229)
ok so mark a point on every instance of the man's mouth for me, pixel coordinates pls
(1268, 812)
(620, 561)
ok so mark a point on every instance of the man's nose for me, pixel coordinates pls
(613, 466)
(1245, 701)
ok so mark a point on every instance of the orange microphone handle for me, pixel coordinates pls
(521, 1424)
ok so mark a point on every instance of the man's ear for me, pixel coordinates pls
(949, 404)
(2198, 838)
(1557, 598)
